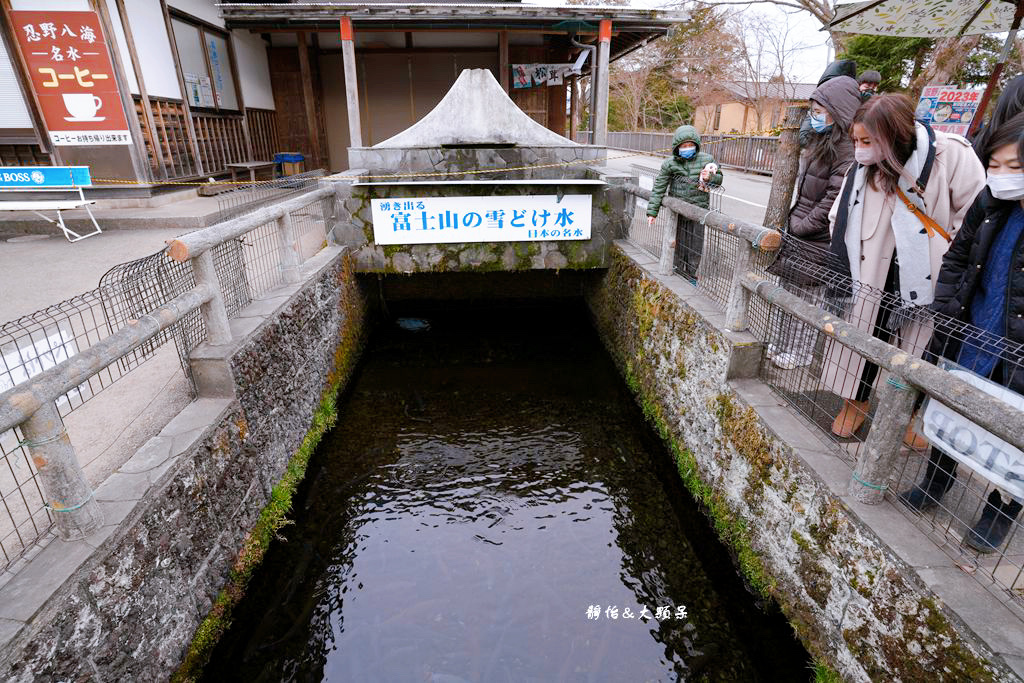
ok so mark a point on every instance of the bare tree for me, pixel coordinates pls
(629, 84)
(767, 48)
(946, 58)
(822, 10)
(705, 55)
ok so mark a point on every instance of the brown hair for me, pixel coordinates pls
(889, 120)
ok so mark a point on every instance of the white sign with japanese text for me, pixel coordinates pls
(437, 220)
(959, 437)
(92, 137)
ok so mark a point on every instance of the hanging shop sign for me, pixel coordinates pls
(72, 76)
(529, 75)
(947, 108)
(442, 220)
(976, 447)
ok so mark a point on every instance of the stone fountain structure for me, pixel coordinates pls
(476, 143)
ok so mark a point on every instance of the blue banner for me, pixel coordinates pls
(44, 176)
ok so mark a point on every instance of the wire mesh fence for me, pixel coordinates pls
(689, 237)
(25, 518)
(250, 197)
(246, 268)
(836, 388)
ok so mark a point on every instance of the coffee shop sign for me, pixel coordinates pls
(437, 220)
(69, 67)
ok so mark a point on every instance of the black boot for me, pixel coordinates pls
(938, 478)
(996, 521)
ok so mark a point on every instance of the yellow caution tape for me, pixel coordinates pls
(634, 152)
(388, 175)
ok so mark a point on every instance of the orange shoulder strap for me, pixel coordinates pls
(930, 225)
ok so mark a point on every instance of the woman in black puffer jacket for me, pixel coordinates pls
(981, 284)
(805, 249)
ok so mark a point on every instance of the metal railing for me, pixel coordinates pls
(750, 153)
(839, 327)
(252, 196)
(56, 359)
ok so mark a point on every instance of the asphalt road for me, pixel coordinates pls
(745, 194)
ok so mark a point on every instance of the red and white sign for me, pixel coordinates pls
(947, 108)
(72, 76)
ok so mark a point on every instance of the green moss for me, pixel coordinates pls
(801, 542)
(791, 491)
(822, 533)
(274, 516)
(823, 673)
(815, 578)
(740, 428)
(525, 251)
(272, 519)
(579, 258)
(647, 304)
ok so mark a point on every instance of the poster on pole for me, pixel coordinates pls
(947, 108)
(72, 76)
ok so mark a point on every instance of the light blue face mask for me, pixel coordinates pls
(687, 153)
(818, 124)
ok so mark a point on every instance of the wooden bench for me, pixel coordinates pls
(252, 167)
(52, 179)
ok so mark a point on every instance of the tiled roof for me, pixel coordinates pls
(749, 90)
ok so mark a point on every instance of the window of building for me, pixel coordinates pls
(15, 120)
(718, 118)
(207, 64)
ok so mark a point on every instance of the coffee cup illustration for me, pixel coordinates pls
(82, 107)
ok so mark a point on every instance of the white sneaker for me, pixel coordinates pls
(791, 361)
(769, 351)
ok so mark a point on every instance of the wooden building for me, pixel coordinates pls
(203, 85)
(747, 107)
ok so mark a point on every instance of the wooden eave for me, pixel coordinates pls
(632, 28)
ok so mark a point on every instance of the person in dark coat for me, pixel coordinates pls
(1009, 104)
(869, 81)
(981, 283)
(840, 67)
(823, 166)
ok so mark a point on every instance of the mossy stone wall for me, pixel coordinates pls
(354, 228)
(169, 573)
(854, 604)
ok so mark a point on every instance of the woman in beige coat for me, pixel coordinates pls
(900, 206)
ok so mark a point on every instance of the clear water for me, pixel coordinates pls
(489, 486)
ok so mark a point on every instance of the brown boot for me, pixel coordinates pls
(913, 440)
(850, 418)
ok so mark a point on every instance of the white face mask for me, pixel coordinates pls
(865, 156)
(1006, 186)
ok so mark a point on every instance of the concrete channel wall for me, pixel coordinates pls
(124, 603)
(864, 590)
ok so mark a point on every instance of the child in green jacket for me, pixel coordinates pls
(686, 175)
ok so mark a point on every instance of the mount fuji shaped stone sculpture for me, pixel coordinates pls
(476, 132)
(476, 111)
